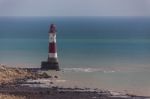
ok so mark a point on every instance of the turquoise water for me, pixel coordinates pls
(112, 52)
(76, 53)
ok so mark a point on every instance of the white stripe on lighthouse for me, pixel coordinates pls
(52, 37)
(52, 55)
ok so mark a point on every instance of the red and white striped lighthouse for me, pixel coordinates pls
(52, 43)
(52, 62)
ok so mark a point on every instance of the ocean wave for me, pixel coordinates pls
(87, 70)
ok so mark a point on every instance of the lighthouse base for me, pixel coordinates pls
(46, 65)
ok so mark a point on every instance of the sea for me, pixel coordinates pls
(102, 52)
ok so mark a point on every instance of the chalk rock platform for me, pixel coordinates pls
(37, 84)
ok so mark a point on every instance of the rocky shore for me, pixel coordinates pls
(21, 83)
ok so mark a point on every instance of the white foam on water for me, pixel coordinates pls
(60, 81)
(88, 70)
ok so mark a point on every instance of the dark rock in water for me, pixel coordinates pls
(50, 76)
(51, 83)
(45, 75)
(55, 76)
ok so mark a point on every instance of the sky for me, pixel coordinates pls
(74, 7)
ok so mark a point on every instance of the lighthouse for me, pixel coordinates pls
(52, 61)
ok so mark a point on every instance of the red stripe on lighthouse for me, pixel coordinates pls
(52, 47)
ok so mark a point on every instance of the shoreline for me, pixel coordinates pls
(63, 93)
(34, 84)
